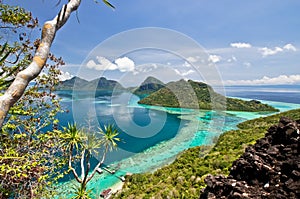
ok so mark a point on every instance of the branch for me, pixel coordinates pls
(82, 164)
(17, 88)
(70, 166)
(98, 165)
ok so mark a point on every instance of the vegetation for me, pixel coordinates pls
(31, 147)
(150, 85)
(13, 18)
(184, 178)
(29, 160)
(191, 94)
(79, 146)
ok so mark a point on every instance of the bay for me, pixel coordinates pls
(153, 136)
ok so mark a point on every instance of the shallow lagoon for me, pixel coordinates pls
(152, 136)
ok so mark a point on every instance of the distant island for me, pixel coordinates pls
(192, 94)
(150, 85)
(182, 93)
(101, 83)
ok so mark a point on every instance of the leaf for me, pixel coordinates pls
(108, 4)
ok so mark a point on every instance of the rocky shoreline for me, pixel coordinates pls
(268, 169)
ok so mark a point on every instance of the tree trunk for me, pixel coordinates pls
(18, 86)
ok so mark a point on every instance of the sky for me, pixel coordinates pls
(246, 42)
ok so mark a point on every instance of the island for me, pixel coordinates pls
(198, 95)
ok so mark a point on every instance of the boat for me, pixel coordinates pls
(106, 193)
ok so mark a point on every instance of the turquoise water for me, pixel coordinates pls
(152, 136)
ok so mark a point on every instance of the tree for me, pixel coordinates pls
(30, 148)
(79, 145)
(22, 79)
(29, 161)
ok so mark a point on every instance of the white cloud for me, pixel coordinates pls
(282, 79)
(103, 64)
(268, 51)
(64, 76)
(125, 64)
(192, 59)
(240, 45)
(290, 47)
(214, 58)
(232, 59)
(184, 73)
(186, 64)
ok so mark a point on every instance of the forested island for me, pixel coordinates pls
(182, 93)
(193, 94)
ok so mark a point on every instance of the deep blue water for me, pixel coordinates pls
(278, 93)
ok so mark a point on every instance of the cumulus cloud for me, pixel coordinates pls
(64, 76)
(124, 64)
(240, 45)
(192, 59)
(214, 58)
(184, 73)
(268, 51)
(290, 47)
(282, 79)
(102, 64)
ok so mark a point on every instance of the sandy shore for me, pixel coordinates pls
(117, 187)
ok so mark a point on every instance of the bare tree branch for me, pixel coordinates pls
(17, 88)
(70, 166)
(98, 165)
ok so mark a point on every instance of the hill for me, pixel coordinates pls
(69, 84)
(192, 94)
(97, 84)
(150, 85)
(184, 178)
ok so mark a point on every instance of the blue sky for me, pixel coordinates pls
(249, 42)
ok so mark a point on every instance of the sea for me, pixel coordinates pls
(151, 136)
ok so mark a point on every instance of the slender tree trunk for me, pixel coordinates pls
(18, 86)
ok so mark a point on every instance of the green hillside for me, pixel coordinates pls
(184, 178)
(150, 85)
(192, 94)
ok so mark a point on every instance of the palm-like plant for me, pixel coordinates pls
(72, 137)
(109, 136)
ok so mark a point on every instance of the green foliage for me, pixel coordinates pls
(80, 193)
(109, 136)
(150, 85)
(191, 94)
(106, 3)
(30, 161)
(79, 145)
(16, 16)
(184, 178)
